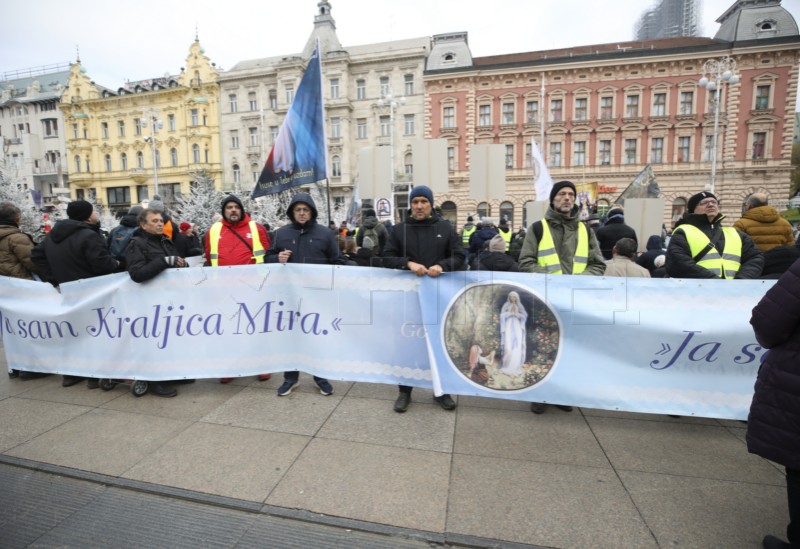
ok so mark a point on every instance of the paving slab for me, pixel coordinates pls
(383, 484)
(222, 460)
(594, 412)
(12, 387)
(554, 437)
(498, 403)
(701, 513)
(387, 392)
(694, 450)
(544, 504)
(24, 419)
(300, 412)
(77, 394)
(103, 441)
(422, 427)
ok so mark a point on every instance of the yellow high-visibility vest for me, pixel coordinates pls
(723, 266)
(507, 238)
(213, 243)
(465, 234)
(548, 256)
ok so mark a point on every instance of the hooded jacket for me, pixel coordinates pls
(766, 227)
(231, 249)
(15, 251)
(610, 233)
(429, 242)
(71, 251)
(309, 242)
(681, 264)
(371, 222)
(565, 237)
(655, 248)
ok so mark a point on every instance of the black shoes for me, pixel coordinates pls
(771, 542)
(93, 383)
(69, 381)
(161, 390)
(402, 402)
(446, 402)
(539, 408)
(25, 376)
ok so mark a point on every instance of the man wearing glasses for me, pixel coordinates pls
(701, 247)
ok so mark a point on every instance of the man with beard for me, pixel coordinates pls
(236, 240)
(427, 245)
(73, 250)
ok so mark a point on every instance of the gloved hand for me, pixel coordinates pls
(172, 260)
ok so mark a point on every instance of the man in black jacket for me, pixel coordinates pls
(73, 250)
(614, 229)
(150, 252)
(424, 244)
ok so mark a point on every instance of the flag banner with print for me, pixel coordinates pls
(644, 185)
(542, 181)
(299, 154)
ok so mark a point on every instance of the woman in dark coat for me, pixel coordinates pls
(773, 428)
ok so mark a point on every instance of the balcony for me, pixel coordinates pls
(13, 140)
(138, 175)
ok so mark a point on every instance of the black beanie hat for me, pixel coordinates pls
(232, 198)
(560, 185)
(79, 210)
(695, 200)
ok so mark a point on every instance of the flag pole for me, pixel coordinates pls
(324, 131)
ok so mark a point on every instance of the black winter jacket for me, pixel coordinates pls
(494, 261)
(71, 251)
(432, 241)
(610, 233)
(655, 248)
(680, 263)
(309, 243)
(145, 255)
(773, 427)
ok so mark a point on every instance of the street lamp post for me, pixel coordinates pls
(717, 72)
(391, 103)
(151, 118)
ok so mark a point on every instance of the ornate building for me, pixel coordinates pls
(161, 133)
(608, 110)
(256, 95)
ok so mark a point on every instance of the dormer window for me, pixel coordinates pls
(766, 26)
(449, 58)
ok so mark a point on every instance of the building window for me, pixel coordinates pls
(386, 126)
(509, 157)
(361, 89)
(334, 88)
(528, 155)
(157, 157)
(579, 154)
(632, 106)
(449, 117)
(107, 161)
(118, 196)
(232, 102)
(50, 127)
(451, 159)
(408, 164)
(408, 124)
(142, 193)
(171, 122)
(123, 161)
(484, 210)
(507, 213)
(687, 101)
(74, 131)
(508, 114)
(195, 118)
(555, 155)
(660, 104)
(336, 166)
(173, 155)
(273, 133)
(485, 115)
(253, 133)
(678, 209)
(361, 128)
(137, 126)
(120, 128)
(409, 84)
(336, 127)
(762, 97)
(581, 109)
(532, 112)
(251, 98)
(630, 151)
(384, 85)
(708, 149)
(196, 153)
(657, 151)
(273, 99)
(140, 160)
(289, 94)
(556, 110)
(104, 130)
(759, 145)
(605, 152)
(234, 139)
(606, 108)
(255, 173)
(237, 174)
(684, 149)
(77, 163)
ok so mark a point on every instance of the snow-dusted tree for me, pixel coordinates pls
(12, 190)
(202, 202)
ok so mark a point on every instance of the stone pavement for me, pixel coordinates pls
(491, 473)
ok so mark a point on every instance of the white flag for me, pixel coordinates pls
(542, 181)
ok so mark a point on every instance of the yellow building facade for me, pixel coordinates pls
(149, 137)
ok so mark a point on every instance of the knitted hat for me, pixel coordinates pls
(156, 204)
(423, 191)
(560, 185)
(497, 244)
(79, 210)
(232, 198)
(368, 212)
(185, 226)
(469, 218)
(695, 200)
(135, 210)
(659, 261)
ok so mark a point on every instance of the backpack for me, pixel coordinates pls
(119, 240)
(372, 234)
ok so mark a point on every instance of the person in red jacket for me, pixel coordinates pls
(236, 240)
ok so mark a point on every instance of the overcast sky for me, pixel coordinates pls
(148, 38)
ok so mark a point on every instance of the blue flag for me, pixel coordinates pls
(298, 156)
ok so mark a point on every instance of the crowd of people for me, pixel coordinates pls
(149, 241)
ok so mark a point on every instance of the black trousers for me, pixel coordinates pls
(793, 492)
